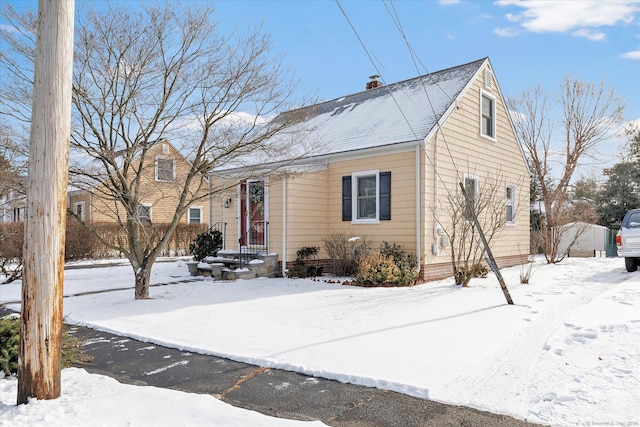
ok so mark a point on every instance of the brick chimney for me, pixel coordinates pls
(374, 83)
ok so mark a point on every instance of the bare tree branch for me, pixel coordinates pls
(589, 114)
(166, 75)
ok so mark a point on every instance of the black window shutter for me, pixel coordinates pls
(346, 198)
(385, 196)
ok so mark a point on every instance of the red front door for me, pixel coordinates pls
(252, 206)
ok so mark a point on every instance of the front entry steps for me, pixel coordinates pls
(232, 265)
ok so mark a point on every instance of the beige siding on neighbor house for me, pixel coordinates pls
(161, 196)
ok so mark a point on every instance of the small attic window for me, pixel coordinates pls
(165, 148)
(488, 79)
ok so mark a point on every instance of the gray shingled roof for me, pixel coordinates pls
(399, 112)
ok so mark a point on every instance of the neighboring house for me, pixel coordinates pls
(385, 161)
(160, 188)
(13, 205)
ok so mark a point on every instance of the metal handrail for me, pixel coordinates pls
(222, 228)
(255, 240)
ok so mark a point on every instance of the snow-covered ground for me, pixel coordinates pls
(567, 352)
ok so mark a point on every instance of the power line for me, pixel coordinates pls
(396, 19)
(437, 173)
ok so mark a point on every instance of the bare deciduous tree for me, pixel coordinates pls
(488, 199)
(588, 114)
(13, 155)
(167, 74)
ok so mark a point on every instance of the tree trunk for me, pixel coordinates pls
(143, 280)
(43, 273)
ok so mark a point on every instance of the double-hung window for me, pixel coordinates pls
(195, 215)
(487, 115)
(144, 213)
(79, 209)
(510, 203)
(366, 197)
(165, 169)
(471, 190)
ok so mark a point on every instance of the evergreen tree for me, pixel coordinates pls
(620, 192)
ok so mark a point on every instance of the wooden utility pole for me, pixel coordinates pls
(490, 259)
(43, 273)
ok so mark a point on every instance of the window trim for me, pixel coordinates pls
(350, 199)
(492, 98)
(173, 168)
(510, 202)
(82, 211)
(355, 177)
(198, 208)
(476, 187)
(145, 205)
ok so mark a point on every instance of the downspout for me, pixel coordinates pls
(436, 200)
(284, 226)
(91, 205)
(418, 210)
(209, 200)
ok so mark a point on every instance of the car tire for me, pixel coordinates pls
(631, 264)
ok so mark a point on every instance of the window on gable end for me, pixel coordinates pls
(487, 115)
(165, 169)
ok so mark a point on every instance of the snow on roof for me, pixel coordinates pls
(396, 113)
(391, 114)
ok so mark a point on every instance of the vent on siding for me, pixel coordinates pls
(165, 149)
(488, 79)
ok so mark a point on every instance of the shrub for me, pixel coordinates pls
(72, 353)
(301, 268)
(527, 270)
(479, 270)
(390, 265)
(11, 241)
(9, 344)
(376, 269)
(405, 261)
(206, 244)
(79, 242)
(344, 250)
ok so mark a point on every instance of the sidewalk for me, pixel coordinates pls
(270, 391)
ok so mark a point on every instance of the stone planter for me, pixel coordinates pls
(193, 267)
(216, 270)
